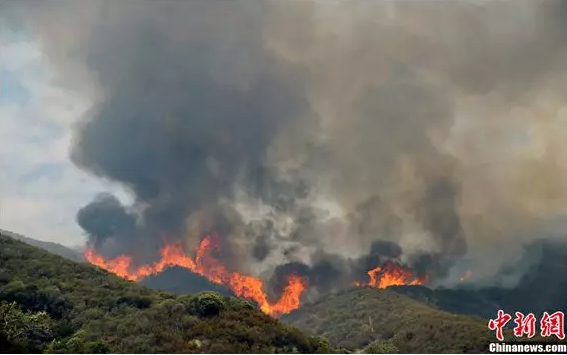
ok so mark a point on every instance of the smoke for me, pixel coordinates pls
(321, 134)
(105, 218)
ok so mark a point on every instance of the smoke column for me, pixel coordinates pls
(316, 135)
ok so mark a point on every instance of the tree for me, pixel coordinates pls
(28, 330)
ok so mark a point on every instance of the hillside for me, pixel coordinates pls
(182, 281)
(481, 303)
(542, 288)
(175, 279)
(51, 304)
(356, 318)
(51, 247)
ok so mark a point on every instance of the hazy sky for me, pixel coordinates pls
(40, 189)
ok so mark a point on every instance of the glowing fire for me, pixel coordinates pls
(391, 274)
(467, 275)
(204, 264)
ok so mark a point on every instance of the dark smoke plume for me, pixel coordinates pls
(195, 127)
(322, 137)
(106, 218)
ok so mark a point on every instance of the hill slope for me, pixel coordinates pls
(461, 301)
(55, 305)
(182, 281)
(542, 288)
(51, 247)
(358, 317)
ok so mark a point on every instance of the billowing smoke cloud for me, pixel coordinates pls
(106, 218)
(319, 136)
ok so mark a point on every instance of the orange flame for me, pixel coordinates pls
(172, 254)
(467, 275)
(391, 274)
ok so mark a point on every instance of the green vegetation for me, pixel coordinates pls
(74, 254)
(382, 347)
(383, 321)
(54, 305)
(24, 330)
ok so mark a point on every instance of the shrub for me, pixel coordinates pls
(381, 347)
(29, 330)
(208, 304)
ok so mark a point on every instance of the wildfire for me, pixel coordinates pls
(391, 274)
(467, 275)
(172, 254)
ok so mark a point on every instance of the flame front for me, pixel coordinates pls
(204, 264)
(391, 274)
